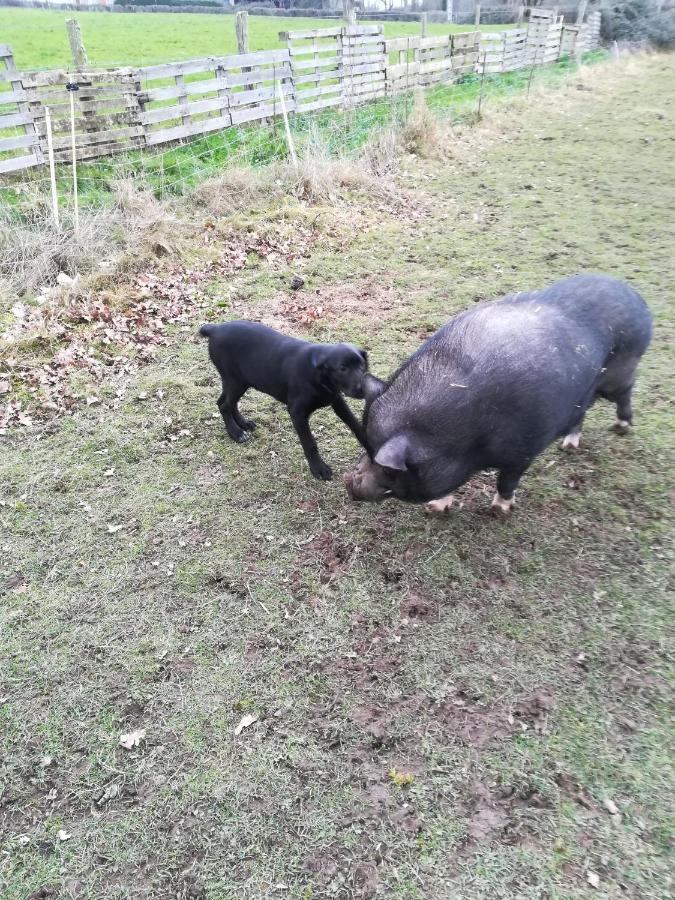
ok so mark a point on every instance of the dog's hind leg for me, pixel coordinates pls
(227, 404)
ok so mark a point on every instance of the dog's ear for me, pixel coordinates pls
(318, 359)
(364, 357)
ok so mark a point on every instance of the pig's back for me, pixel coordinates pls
(524, 364)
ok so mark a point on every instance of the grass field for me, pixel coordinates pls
(39, 40)
(443, 709)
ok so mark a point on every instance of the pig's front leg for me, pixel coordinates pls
(300, 419)
(503, 501)
(343, 412)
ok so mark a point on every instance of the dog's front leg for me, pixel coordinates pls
(342, 411)
(300, 419)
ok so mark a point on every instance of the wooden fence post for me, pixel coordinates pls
(581, 11)
(449, 12)
(16, 85)
(77, 50)
(424, 24)
(241, 26)
(476, 19)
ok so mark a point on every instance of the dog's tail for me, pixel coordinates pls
(206, 330)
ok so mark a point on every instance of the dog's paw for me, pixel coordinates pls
(241, 437)
(321, 471)
(248, 425)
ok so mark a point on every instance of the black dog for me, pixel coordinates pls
(304, 376)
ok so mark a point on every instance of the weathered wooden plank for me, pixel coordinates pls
(396, 45)
(254, 113)
(328, 75)
(436, 65)
(261, 94)
(101, 107)
(13, 119)
(261, 57)
(402, 70)
(319, 104)
(5, 51)
(255, 76)
(123, 119)
(348, 62)
(362, 29)
(183, 131)
(197, 107)
(16, 163)
(170, 70)
(17, 142)
(320, 50)
(86, 139)
(16, 95)
(194, 87)
(319, 91)
(310, 34)
(319, 63)
(95, 151)
(354, 71)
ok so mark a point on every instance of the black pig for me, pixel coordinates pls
(495, 385)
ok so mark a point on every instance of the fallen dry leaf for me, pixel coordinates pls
(133, 739)
(63, 835)
(245, 722)
(113, 529)
(610, 806)
(593, 879)
(4, 387)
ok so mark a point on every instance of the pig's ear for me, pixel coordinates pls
(392, 455)
(372, 387)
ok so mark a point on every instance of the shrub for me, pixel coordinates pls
(639, 20)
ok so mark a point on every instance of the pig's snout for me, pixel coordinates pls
(349, 480)
(362, 482)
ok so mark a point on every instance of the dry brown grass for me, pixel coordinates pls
(34, 252)
(424, 135)
(238, 188)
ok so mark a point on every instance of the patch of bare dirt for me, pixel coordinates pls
(468, 720)
(335, 872)
(363, 298)
(418, 608)
(326, 553)
(491, 815)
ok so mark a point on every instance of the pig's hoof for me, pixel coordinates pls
(501, 507)
(621, 426)
(435, 509)
(571, 442)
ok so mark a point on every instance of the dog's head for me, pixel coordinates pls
(341, 367)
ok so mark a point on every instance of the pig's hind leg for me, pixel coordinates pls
(624, 411)
(617, 387)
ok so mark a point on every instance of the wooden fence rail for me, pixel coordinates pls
(120, 110)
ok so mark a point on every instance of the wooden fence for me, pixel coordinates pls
(120, 110)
